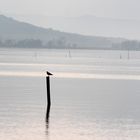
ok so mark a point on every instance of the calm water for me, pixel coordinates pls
(95, 95)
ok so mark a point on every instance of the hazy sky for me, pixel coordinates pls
(129, 9)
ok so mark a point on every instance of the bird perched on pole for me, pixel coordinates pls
(48, 73)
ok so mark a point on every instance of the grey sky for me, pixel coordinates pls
(129, 9)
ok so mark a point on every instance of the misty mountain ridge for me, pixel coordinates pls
(88, 25)
(99, 26)
(23, 34)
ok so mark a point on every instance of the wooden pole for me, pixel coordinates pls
(48, 97)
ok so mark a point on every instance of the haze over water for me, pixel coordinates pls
(95, 94)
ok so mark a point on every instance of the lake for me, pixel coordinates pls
(95, 94)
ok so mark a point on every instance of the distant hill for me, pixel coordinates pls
(87, 25)
(99, 26)
(19, 34)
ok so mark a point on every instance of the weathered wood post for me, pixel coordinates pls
(48, 95)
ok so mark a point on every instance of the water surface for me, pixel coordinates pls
(95, 95)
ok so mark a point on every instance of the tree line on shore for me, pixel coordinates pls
(36, 43)
(63, 44)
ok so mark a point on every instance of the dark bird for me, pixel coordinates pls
(48, 73)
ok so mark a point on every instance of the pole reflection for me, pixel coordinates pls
(47, 127)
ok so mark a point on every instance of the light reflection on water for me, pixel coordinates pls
(102, 106)
(72, 75)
